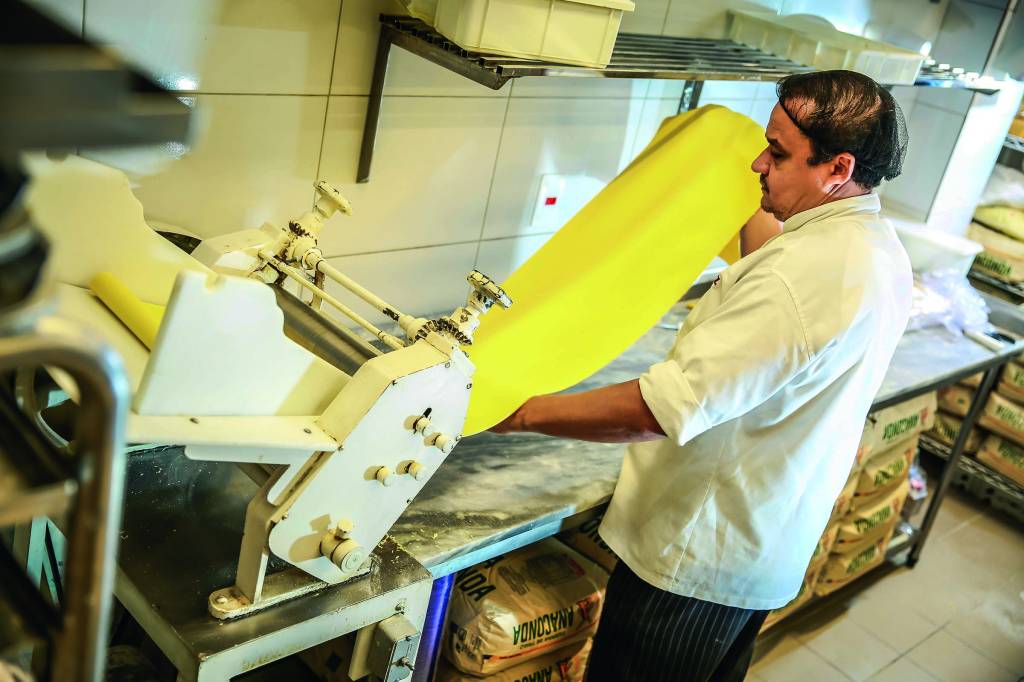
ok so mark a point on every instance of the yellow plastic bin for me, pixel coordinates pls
(579, 32)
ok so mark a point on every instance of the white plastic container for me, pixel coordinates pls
(813, 41)
(931, 250)
(578, 32)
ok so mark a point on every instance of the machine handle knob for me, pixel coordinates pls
(487, 291)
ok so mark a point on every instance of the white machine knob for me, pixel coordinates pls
(421, 424)
(385, 476)
(441, 442)
(414, 469)
(348, 556)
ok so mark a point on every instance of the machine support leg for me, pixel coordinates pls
(949, 471)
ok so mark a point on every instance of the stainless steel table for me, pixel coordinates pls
(183, 519)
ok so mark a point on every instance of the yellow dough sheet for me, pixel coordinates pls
(619, 264)
(142, 319)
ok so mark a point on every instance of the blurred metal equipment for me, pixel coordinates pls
(58, 92)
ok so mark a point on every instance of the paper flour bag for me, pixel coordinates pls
(900, 422)
(568, 664)
(824, 546)
(841, 569)
(955, 399)
(1004, 456)
(524, 604)
(586, 540)
(885, 470)
(868, 522)
(947, 428)
(1003, 416)
(845, 498)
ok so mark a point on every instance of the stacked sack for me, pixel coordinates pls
(999, 226)
(868, 508)
(526, 615)
(1003, 449)
(953, 403)
(879, 489)
(999, 442)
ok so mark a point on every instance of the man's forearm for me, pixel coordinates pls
(612, 414)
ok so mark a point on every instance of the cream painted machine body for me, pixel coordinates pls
(338, 452)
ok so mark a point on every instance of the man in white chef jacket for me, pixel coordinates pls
(743, 437)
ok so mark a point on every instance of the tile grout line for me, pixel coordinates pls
(440, 245)
(975, 649)
(494, 173)
(327, 104)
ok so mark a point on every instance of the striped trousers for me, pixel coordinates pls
(649, 635)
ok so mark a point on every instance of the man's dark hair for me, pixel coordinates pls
(845, 111)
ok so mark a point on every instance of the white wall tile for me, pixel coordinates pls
(761, 110)
(709, 19)
(407, 74)
(655, 111)
(584, 138)
(232, 46)
(499, 258)
(431, 171)
(648, 17)
(722, 90)
(933, 133)
(417, 281)
(740, 106)
(68, 13)
(254, 159)
(580, 87)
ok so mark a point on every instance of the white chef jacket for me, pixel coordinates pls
(763, 399)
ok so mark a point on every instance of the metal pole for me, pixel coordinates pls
(952, 463)
(99, 455)
(380, 73)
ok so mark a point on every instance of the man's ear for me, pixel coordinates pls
(842, 166)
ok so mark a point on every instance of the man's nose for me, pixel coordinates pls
(760, 164)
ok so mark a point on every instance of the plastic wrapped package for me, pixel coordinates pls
(568, 664)
(945, 298)
(586, 540)
(1004, 417)
(1003, 456)
(947, 428)
(522, 605)
(1005, 188)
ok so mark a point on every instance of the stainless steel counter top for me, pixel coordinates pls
(183, 519)
(495, 493)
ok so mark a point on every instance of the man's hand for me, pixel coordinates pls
(613, 414)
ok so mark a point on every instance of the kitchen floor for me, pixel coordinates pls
(959, 615)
